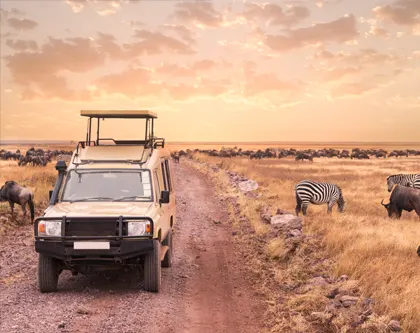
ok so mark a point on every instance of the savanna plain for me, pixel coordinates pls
(376, 253)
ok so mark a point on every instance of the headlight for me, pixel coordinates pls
(49, 228)
(138, 228)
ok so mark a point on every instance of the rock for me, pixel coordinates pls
(282, 212)
(83, 311)
(217, 222)
(266, 217)
(294, 233)
(318, 281)
(62, 325)
(249, 185)
(395, 326)
(287, 221)
(234, 233)
(333, 293)
(348, 300)
(343, 278)
(322, 317)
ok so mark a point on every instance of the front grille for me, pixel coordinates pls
(92, 228)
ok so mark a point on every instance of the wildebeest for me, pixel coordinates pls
(303, 156)
(402, 198)
(14, 193)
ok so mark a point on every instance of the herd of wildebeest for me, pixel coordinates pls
(306, 154)
(33, 157)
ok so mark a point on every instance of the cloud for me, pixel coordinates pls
(187, 34)
(132, 82)
(156, 42)
(360, 87)
(262, 83)
(322, 3)
(22, 45)
(40, 74)
(194, 70)
(274, 15)
(200, 14)
(341, 30)
(337, 73)
(21, 24)
(101, 7)
(365, 56)
(204, 88)
(400, 12)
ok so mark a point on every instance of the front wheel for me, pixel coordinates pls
(152, 269)
(48, 272)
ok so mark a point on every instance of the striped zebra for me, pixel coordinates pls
(308, 191)
(408, 180)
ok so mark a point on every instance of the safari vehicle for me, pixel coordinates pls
(112, 207)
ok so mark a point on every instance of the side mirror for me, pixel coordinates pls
(164, 197)
(50, 194)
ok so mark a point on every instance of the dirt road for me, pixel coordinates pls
(206, 290)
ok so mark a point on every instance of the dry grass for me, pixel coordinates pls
(362, 243)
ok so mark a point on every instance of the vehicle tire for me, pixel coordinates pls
(48, 272)
(152, 269)
(167, 260)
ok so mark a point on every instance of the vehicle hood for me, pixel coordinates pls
(101, 209)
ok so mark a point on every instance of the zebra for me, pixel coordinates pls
(409, 180)
(308, 191)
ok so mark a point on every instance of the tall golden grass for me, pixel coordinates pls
(363, 242)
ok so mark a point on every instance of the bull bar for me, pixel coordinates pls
(121, 246)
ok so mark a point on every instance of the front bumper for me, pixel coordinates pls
(122, 247)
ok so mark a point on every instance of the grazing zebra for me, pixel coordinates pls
(408, 180)
(308, 191)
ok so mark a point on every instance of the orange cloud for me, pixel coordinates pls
(182, 31)
(341, 30)
(273, 14)
(101, 7)
(21, 45)
(360, 57)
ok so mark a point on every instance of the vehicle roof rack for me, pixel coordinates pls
(136, 114)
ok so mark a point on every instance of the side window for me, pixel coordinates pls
(164, 175)
(158, 184)
(168, 175)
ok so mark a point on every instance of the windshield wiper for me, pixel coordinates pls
(92, 198)
(133, 197)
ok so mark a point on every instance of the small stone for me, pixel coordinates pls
(348, 301)
(184, 276)
(333, 293)
(294, 233)
(62, 325)
(234, 233)
(266, 217)
(343, 278)
(83, 311)
(217, 222)
(395, 326)
(318, 281)
(287, 221)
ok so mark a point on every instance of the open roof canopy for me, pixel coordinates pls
(138, 114)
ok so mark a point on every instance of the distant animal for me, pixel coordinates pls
(175, 156)
(308, 191)
(402, 198)
(409, 180)
(302, 157)
(14, 193)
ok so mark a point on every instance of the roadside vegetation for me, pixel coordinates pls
(376, 253)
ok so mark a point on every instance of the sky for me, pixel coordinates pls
(314, 70)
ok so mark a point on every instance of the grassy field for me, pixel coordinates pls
(363, 243)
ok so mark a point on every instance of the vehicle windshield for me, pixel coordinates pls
(107, 185)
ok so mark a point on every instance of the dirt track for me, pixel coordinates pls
(206, 290)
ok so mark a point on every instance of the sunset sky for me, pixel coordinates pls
(314, 70)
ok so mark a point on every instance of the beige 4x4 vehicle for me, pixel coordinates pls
(113, 206)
